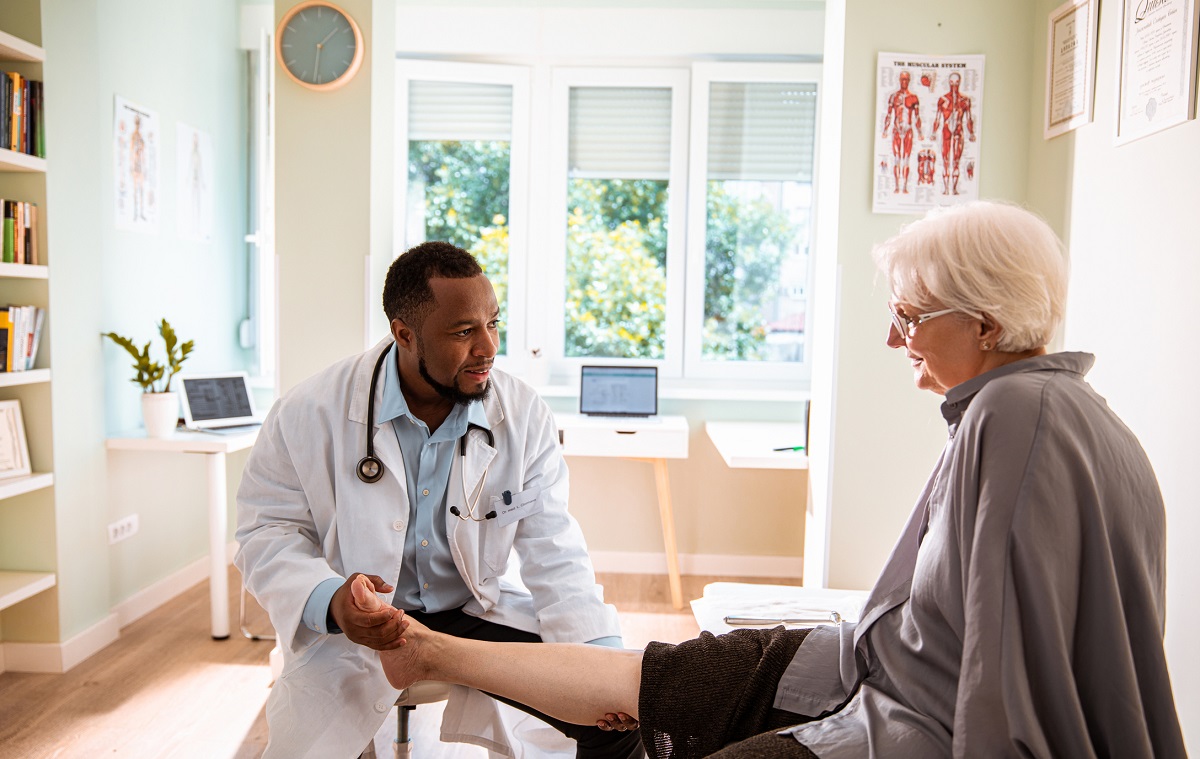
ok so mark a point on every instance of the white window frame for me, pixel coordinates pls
(264, 273)
(518, 77)
(553, 317)
(694, 365)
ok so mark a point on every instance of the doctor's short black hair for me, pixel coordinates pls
(407, 295)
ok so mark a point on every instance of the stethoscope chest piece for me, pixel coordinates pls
(369, 469)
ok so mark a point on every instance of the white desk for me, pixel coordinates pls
(750, 445)
(213, 447)
(652, 439)
(770, 603)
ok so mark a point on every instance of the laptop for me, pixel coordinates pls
(618, 390)
(219, 403)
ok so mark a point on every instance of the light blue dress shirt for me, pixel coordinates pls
(429, 581)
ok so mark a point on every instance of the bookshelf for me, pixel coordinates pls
(27, 513)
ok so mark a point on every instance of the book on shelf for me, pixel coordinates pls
(18, 236)
(20, 335)
(22, 114)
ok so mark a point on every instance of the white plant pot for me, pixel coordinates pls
(160, 413)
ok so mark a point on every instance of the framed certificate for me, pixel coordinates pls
(14, 449)
(1157, 82)
(1070, 66)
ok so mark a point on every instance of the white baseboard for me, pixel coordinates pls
(61, 657)
(725, 565)
(148, 599)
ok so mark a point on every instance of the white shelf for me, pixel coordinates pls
(24, 271)
(27, 377)
(16, 49)
(11, 160)
(17, 586)
(26, 484)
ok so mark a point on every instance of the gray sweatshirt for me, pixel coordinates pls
(1021, 612)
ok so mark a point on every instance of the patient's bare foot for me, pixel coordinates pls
(364, 594)
(405, 665)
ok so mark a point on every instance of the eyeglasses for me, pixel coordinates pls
(906, 326)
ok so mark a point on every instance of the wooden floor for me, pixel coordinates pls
(166, 689)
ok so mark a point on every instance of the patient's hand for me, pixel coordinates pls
(619, 722)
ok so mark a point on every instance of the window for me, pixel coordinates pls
(459, 182)
(670, 218)
(750, 219)
(620, 182)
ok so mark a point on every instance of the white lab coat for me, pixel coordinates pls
(304, 517)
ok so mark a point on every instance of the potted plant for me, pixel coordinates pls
(160, 406)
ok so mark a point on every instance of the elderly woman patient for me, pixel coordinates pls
(1021, 610)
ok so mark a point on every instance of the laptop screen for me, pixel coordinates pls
(618, 390)
(216, 400)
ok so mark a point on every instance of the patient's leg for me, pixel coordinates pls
(575, 683)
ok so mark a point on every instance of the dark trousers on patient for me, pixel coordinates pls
(592, 742)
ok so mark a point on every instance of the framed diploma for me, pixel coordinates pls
(14, 449)
(1070, 66)
(1157, 82)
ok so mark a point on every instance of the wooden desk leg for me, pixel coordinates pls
(218, 521)
(663, 485)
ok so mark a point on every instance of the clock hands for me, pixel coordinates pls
(320, 47)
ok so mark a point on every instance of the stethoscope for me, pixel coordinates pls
(370, 468)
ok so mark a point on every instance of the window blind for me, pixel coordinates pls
(620, 132)
(459, 111)
(761, 131)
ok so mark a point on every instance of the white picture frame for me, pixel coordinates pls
(1156, 84)
(1070, 66)
(14, 447)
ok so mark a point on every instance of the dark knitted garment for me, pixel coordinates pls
(701, 696)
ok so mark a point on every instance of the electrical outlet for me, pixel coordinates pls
(122, 528)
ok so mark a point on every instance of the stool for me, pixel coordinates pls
(422, 692)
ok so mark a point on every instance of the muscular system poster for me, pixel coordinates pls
(928, 119)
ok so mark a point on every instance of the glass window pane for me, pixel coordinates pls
(616, 253)
(759, 213)
(459, 164)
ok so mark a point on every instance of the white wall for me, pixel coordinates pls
(1135, 268)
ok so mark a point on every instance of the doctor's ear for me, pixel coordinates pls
(403, 334)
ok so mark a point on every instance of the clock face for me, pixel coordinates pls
(319, 46)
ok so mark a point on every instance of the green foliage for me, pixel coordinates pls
(746, 244)
(465, 189)
(616, 268)
(148, 373)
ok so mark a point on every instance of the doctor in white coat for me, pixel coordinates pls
(420, 466)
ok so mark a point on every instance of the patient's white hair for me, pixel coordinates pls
(982, 257)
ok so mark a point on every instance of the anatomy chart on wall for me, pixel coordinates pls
(928, 119)
(194, 167)
(136, 147)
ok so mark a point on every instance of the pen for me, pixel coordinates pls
(789, 448)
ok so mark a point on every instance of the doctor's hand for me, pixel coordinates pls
(363, 617)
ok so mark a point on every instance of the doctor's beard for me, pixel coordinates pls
(451, 392)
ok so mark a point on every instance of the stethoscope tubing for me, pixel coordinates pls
(370, 468)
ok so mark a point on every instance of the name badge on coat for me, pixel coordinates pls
(510, 507)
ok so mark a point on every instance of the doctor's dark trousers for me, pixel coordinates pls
(592, 742)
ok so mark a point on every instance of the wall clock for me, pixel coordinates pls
(319, 45)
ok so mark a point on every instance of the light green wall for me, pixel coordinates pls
(887, 434)
(182, 60)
